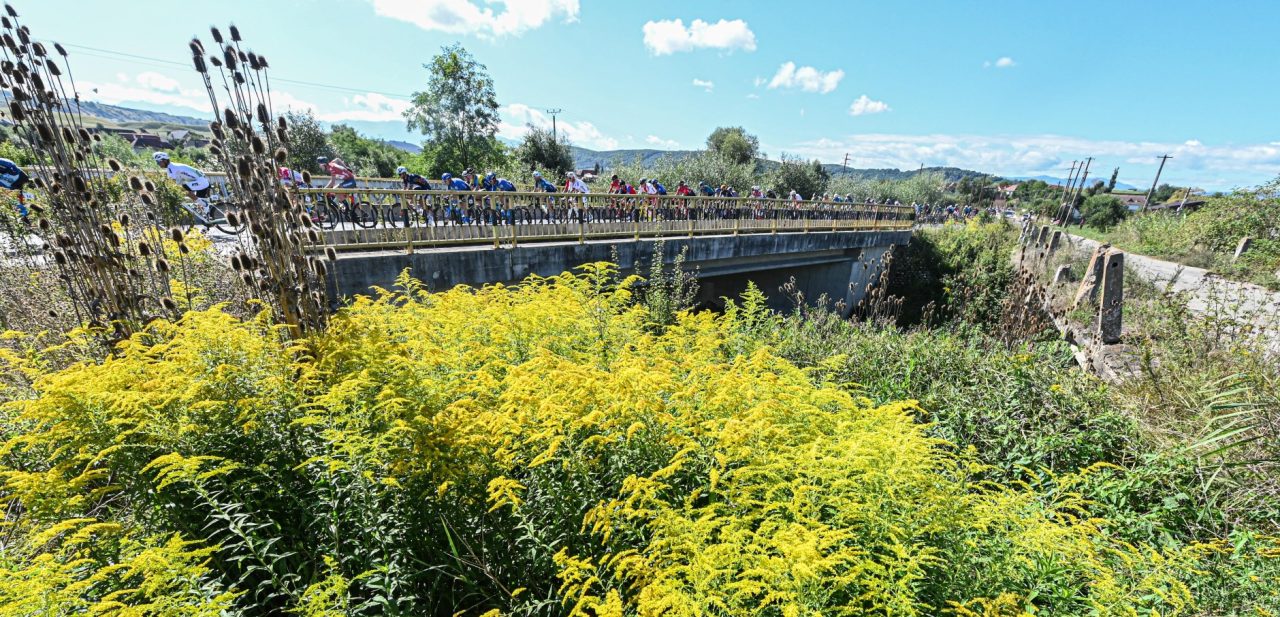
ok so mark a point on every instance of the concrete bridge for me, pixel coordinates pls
(448, 239)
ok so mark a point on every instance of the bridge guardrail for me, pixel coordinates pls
(385, 219)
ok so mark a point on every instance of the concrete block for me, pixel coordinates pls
(1063, 275)
(1242, 247)
(1111, 309)
(1092, 276)
(1055, 240)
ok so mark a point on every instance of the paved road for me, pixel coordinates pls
(1206, 293)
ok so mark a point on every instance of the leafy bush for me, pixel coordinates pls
(1103, 211)
(531, 450)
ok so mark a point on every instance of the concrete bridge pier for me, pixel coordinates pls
(839, 264)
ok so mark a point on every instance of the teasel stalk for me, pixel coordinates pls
(248, 143)
(97, 266)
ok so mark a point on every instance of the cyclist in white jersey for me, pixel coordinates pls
(188, 177)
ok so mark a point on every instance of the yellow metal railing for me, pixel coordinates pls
(387, 219)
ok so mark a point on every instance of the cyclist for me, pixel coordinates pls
(541, 184)
(683, 189)
(573, 184)
(454, 184)
(492, 182)
(190, 178)
(705, 189)
(292, 177)
(469, 176)
(339, 175)
(657, 187)
(412, 182)
(13, 178)
(614, 184)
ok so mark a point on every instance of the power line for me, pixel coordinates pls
(553, 113)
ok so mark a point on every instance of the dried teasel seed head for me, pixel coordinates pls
(197, 60)
(60, 257)
(215, 61)
(262, 61)
(44, 225)
(313, 236)
(259, 146)
(306, 177)
(217, 34)
(162, 265)
(147, 198)
(182, 248)
(149, 185)
(135, 183)
(52, 67)
(263, 116)
(230, 118)
(144, 249)
(175, 234)
(230, 58)
(321, 269)
(105, 229)
(233, 219)
(58, 48)
(53, 314)
(281, 122)
(169, 304)
(247, 278)
(114, 165)
(216, 129)
(235, 32)
(330, 253)
(124, 219)
(242, 166)
(281, 155)
(282, 134)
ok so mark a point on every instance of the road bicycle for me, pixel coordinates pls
(331, 211)
(211, 213)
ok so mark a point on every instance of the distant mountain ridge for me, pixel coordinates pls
(118, 114)
(1063, 181)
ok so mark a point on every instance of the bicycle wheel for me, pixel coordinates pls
(325, 215)
(186, 219)
(397, 214)
(364, 214)
(219, 213)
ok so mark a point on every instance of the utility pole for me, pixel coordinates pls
(1079, 190)
(1151, 192)
(845, 165)
(1071, 181)
(553, 113)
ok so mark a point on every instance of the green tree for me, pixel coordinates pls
(307, 140)
(457, 112)
(1103, 211)
(734, 143)
(1111, 185)
(804, 177)
(365, 156)
(541, 150)
(1163, 193)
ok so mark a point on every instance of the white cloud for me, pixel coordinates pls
(864, 105)
(1192, 143)
(149, 88)
(371, 107)
(517, 117)
(1003, 62)
(758, 81)
(465, 17)
(806, 78)
(670, 36)
(703, 83)
(668, 144)
(1221, 166)
(753, 96)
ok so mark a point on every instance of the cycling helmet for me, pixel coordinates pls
(446, 177)
(643, 180)
(537, 175)
(469, 172)
(322, 160)
(402, 170)
(491, 176)
(160, 156)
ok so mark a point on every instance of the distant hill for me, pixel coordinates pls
(1063, 181)
(405, 146)
(950, 174)
(125, 115)
(584, 158)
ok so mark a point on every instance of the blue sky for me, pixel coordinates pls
(1015, 88)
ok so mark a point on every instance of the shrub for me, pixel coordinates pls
(533, 450)
(1103, 211)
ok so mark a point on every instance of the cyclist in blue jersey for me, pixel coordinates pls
(657, 187)
(13, 178)
(492, 182)
(454, 184)
(541, 184)
(412, 182)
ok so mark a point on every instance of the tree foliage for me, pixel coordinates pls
(541, 151)
(307, 141)
(793, 173)
(365, 156)
(734, 143)
(1103, 211)
(457, 112)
